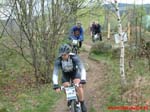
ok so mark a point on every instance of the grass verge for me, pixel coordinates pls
(137, 90)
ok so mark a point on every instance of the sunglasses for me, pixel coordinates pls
(64, 55)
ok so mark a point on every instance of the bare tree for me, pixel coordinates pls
(37, 35)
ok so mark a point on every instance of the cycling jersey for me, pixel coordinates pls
(72, 65)
(96, 28)
(67, 65)
(79, 31)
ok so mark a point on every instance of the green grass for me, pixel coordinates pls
(101, 57)
(92, 110)
(32, 100)
(113, 86)
(22, 99)
(14, 95)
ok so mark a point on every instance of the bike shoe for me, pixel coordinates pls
(68, 103)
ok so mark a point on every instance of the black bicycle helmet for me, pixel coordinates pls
(65, 48)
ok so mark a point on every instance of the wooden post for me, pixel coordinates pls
(108, 34)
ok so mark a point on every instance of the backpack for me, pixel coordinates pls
(68, 66)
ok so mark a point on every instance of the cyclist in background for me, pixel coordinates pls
(72, 68)
(77, 33)
(95, 29)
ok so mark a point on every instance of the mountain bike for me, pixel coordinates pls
(96, 37)
(75, 46)
(72, 98)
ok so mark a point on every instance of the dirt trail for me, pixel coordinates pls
(94, 95)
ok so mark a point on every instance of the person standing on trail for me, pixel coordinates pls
(95, 29)
(77, 33)
(72, 68)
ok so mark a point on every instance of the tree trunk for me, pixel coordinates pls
(122, 71)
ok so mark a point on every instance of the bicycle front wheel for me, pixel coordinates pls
(73, 106)
(74, 50)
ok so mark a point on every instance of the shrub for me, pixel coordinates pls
(101, 48)
(129, 51)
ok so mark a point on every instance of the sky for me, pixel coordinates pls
(129, 1)
(2, 11)
(136, 1)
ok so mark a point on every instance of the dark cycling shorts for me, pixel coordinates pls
(66, 76)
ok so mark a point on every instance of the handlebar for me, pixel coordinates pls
(63, 87)
(75, 42)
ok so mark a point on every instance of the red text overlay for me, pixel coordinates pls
(128, 108)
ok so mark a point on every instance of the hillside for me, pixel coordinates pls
(124, 6)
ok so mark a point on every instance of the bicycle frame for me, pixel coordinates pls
(95, 37)
(75, 46)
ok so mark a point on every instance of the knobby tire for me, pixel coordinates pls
(73, 106)
(74, 50)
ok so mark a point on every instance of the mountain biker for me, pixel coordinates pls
(96, 29)
(72, 68)
(77, 33)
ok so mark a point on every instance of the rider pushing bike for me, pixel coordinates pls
(72, 68)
